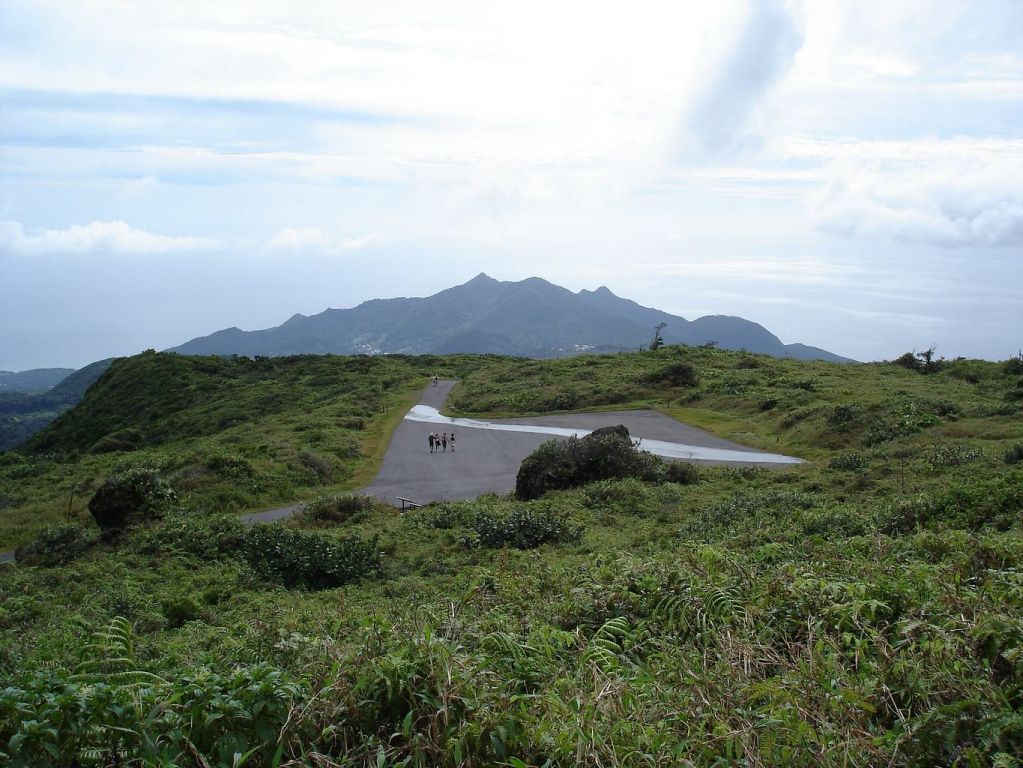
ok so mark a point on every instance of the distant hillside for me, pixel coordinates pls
(35, 380)
(529, 318)
(23, 414)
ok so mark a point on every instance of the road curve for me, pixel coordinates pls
(489, 453)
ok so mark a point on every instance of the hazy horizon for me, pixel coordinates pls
(850, 176)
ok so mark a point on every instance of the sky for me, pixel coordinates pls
(847, 174)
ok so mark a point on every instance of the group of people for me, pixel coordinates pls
(441, 442)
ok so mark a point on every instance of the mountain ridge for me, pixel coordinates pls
(526, 318)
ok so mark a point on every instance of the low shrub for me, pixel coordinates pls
(950, 455)
(676, 374)
(849, 462)
(524, 528)
(845, 415)
(748, 509)
(131, 498)
(1014, 455)
(908, 360)
(336, 509)
(612, 493)
(557, 465)
(229, 466)
(1014, 365)
(970, 505)
(680, 472)
(208, 537)
(297, 559)
(54, 717)
(322, 467)
(834, 522)
(56, 545)
(122, 440)
(453, 514)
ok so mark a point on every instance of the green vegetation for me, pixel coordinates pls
(24, 413)
(861, 609)
(227, 434)
(605, 454)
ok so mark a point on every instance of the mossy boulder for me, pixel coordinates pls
(130, 499)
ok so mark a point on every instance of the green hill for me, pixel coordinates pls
(35, 380)
(23, 414)
(860, 609)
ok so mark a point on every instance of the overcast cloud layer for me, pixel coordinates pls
(850, 175)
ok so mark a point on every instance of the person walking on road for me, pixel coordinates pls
(444, 441)
(432, 441)
(451, 439)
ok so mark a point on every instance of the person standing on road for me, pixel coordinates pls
(432, 440)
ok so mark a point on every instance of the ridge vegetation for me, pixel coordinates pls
(861, 609)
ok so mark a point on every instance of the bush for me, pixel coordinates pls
(574, 462)
(952, 456)
(676, 374)
(1014, 365)
(844, 415)
(322, 467)
(849, 462)
(229, 466)
(1014, 455)
(970, 505)
(122, 440)
(53, 717)
(336, 509)
(208, 537)
(524, 528)
(297, 559)
(57, 545)
(834, 522)
(612, 493)
(681, 472)
(131, 498)
(908, 360)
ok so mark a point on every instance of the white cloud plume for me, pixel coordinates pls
(763, 51)
(97, 237)
(315, 239)
(946, 193)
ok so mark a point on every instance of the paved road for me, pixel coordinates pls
(486, 461)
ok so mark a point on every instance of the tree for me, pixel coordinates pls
(658, 341)
(928, 363)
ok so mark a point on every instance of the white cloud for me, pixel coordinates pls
(947, 193)
(762, 52)
(315, 239)
(97, 237)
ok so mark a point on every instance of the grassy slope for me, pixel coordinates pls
(230, 434)
(860, 609)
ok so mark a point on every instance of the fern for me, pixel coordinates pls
(694, 616)
(111, 658)
(607, 646)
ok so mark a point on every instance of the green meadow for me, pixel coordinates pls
(864, 608)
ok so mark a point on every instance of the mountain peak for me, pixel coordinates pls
(530, 317)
